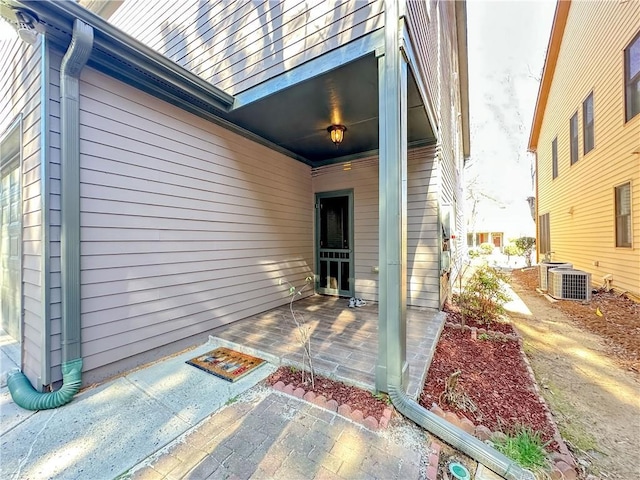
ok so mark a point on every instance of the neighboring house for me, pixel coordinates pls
(206, 174)
(586, 136)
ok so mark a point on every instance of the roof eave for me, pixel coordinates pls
(61, 14)
(553, 50)
(463, 75)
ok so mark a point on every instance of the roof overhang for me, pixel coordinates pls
(123, 57)
(553, 50)
(291, 119)
(463, 75)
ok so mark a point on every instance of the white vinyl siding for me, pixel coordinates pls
(422, 220)
(20, 95)
(235, 45)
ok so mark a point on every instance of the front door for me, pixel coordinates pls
(10, 235)
(334, 243)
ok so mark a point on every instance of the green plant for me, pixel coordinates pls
(486, 248)
(473, 253)
(383, 397)
(511, 250)
(526, 448)
(526, 245)
(483, 297)
(484, 336)
(304, 331)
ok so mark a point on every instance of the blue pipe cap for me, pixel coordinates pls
(459, 471)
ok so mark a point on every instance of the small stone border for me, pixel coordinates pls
(433, 453)
(345, 410)
(565, 467)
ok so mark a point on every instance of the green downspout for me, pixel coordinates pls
(22, 392)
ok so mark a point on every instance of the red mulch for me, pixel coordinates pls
(454, 315)
(619, 324)
(355, 397)
(494, 376)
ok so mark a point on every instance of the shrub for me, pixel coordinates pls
(474, 253)
(483, 297)
(511, 250)
(526, 245)
(486, 248)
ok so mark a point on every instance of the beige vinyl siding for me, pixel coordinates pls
(423, 29)
(238, 44)
(184, 226)
(433, 34)
(20, 95)
(580, 201)
(362, 177)
(423, 239)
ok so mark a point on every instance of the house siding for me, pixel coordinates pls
(236, 45)
(20, 95)
(432, 28)
(184, 226)
(580, 201)
(422, 234)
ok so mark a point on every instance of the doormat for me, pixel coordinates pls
(226, 363)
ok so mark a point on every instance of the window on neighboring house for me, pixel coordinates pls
(544, 234)
(573, 127)
(554, 157)
(587, 123)
(632, 78)
(623, 215)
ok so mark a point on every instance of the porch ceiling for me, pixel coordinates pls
(297, 117)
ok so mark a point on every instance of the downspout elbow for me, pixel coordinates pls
(24, 395)
(456, 437)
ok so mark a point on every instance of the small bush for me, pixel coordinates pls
(486, 248)
(526, 246)
(512, 250)
(474, 253)
(483, 296)
(526, 448)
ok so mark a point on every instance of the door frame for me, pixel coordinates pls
(316, 245)
(16, 128)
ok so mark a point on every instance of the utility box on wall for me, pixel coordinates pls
(447, 219)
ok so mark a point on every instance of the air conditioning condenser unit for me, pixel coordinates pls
(543, 272)
(569, 284)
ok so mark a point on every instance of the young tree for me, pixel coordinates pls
(526, 244)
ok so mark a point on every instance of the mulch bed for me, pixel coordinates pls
(619, 324)
(356, 398)
(454, 315)
(494, 376)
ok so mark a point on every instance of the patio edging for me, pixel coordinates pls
(564, 465)
(343, 410)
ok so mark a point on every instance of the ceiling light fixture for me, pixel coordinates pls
(337, 133)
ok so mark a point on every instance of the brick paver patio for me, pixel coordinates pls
(279, 437)
(344, 340)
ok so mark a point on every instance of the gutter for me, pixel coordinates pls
(22, 392)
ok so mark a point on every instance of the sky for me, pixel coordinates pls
(507, 42)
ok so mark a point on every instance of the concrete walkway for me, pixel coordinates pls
(107, 430)
(269, 435)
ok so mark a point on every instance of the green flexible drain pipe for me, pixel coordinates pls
(27, 397)
(22, 392)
